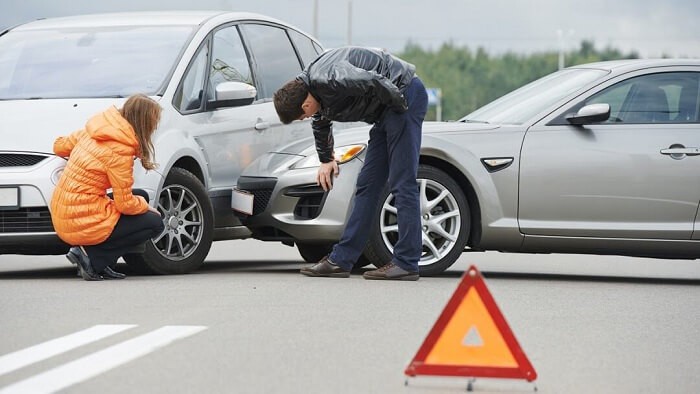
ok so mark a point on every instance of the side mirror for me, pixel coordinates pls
(233, 94)
(591, 113)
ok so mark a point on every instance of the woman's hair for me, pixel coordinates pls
(288, 100)
(143, 113)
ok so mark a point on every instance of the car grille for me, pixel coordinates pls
(261, 188)
(19, 159)
(26, 220)
(262, 198)
(311, 199)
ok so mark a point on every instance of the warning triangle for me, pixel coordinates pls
(471, 338)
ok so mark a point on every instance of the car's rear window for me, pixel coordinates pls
(94, 62)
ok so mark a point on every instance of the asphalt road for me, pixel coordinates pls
(247, 322)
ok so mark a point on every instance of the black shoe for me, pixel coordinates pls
(78, 257)
(73, 256)
(391, 271)
(325, 268)
(109, 273)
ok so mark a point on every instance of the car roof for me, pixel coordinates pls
(625, 65)
(146, 18)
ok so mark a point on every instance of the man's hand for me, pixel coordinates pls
(326, 173)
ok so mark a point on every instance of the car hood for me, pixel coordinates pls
(361, 134)
(33, 125)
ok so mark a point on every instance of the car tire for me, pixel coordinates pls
(189, 228)
(443, 240)
(312, 253)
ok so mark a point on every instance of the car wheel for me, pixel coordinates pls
(189, 227)
(312, 253)
(445, 220)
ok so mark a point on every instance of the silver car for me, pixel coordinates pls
(213, 74)
(601, 158)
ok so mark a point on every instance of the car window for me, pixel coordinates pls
(190, 93)
(305, 47)
(654, 98)
(229, 61)
(89, 62)
(522, 104)
(275, 59)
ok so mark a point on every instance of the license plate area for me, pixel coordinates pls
(242, 201)
(9, 198)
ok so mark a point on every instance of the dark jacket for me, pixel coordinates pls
(354, 84)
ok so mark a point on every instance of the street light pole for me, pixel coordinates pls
(349, 22)
(315, 17)
(562, 45)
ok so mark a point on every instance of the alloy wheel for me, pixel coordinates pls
(440, 221)
(182, 216)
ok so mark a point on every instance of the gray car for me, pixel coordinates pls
(601, 158)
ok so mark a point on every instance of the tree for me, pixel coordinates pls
(469, 80)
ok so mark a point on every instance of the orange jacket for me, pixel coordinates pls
(101, 156)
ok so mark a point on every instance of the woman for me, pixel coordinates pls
(101, 156)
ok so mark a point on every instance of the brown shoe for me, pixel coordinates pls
(391, 271)
(325, 268)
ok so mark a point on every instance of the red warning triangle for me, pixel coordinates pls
(471, 338)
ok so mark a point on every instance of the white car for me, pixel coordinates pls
(213, 73)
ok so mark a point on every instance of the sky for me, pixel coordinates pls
(652, 28)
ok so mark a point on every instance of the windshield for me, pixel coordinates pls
(522, 104)
(88, 62)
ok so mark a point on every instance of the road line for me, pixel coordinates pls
(94, 364)
(22, 358)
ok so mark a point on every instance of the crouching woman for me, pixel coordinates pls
(101, 226)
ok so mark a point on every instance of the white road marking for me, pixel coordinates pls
(42, 351)
(94, 364)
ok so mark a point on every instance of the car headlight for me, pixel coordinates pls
(342, 154)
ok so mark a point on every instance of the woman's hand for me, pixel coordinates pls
(150, 208)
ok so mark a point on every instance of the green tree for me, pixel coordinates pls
(470, 79)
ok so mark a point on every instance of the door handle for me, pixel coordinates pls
(678, 151)
(260, 126)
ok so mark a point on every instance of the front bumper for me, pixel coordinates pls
(290, 206)
(27, 229)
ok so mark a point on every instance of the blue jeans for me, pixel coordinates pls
(392, 154)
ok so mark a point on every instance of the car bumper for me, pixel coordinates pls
(27, 228)
(290, 206)
(32, 244)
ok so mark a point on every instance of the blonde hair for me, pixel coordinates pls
(143, 113)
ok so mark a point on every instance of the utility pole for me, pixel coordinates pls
(562, 45)
(349, 22)
(315, 19)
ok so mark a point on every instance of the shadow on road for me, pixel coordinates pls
(292, 268)
(585, 278)
(40, 273)
(250, 266)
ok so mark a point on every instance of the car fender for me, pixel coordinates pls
(495, 192)
(174, 144)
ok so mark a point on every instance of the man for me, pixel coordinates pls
(361, 84)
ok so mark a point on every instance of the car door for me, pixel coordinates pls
(627, 177)
(231, 138)
(225, 135)
(275, 61)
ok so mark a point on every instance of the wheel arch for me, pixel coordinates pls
(190, 164)
(468, 190)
